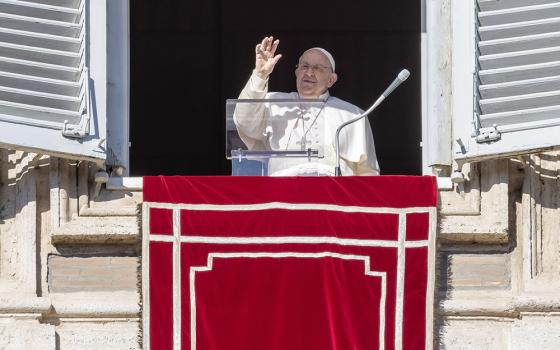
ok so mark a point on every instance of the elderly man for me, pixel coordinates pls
(315, 74)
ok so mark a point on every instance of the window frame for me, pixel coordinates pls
(463, 74)
(118, 84)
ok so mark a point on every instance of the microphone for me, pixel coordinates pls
(403, 75)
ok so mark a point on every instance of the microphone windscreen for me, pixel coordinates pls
(404, 74)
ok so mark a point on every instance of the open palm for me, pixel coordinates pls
(265, 57)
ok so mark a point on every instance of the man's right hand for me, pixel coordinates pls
(265, 60)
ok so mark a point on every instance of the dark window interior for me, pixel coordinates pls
(188, 57)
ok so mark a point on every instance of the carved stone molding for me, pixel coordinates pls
(477, 211)
(539, 223)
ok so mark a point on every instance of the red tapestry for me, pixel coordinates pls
(257, 263)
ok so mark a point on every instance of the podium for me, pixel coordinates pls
(276, 137)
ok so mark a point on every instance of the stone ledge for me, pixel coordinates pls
(497, 307)
(538, 302)
(25, 304)
(104, 211)
(96, 304)
(112, 229)
(499, 304)
(474, 231)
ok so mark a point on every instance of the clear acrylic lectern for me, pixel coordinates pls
(276, 137)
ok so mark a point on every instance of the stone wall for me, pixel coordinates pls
(498, 274)
(69, 260)
(70, 257)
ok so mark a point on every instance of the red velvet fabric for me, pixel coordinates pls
(417, 226)
(302, 304)
(282, 222)
(161, 222)
(161, 296)
(382, 191)
(291, 278)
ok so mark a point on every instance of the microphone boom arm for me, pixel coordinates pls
(403, 75)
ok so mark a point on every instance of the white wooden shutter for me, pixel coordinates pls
(46, 88)
(516, 79)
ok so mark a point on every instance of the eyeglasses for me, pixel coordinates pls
(303, 67)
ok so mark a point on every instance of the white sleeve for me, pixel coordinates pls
(358, 148)
(250, 119)
(368, 164)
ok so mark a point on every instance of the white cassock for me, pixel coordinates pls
(280, 127)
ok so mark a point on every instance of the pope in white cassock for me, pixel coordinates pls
(278, 127)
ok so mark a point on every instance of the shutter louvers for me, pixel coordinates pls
(518, 66)
(43, 78)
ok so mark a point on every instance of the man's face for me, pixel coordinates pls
(314, 74)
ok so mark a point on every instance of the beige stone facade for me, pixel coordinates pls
(498, 257)
(69, 263)
(70, 260)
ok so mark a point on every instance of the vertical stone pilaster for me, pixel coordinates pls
(541, 223)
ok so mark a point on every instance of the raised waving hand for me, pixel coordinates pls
(265, 56)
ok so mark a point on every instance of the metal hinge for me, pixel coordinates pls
(489, 135)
